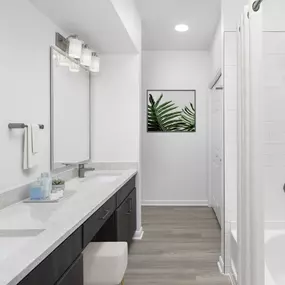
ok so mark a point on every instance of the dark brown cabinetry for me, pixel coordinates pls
(126, 218)
(92, 226)
(54, 266)
(74, 275)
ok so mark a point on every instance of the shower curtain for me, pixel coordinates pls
(250, 218)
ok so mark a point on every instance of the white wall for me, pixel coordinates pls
(231, 11)
(26, 36)
(129, 15)
(116, 96)
(216, 51)
(175, 166)
(116, 114)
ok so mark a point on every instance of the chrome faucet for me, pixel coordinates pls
(82, 170)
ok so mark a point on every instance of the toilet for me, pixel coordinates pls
(105, 263)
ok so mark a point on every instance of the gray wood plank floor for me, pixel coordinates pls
(181, 245)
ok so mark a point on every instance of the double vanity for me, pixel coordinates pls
(43, 243)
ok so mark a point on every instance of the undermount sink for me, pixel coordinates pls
(16, 233)
(101, 177)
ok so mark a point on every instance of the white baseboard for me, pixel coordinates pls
(138, 234)
(175, 203)
(233, 274)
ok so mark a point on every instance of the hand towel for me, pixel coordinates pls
(35, 138)
(29, 159)
(25, 150)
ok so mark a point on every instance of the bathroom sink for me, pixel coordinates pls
(101, 177)
(16, 233)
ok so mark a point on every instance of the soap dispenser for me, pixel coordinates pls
(46, 182)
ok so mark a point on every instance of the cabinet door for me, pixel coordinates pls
(133, 213)
(123, 221)
(74, 274)
(52, 268)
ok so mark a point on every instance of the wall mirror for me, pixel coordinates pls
(70, 111)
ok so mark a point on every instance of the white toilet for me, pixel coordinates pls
(105, 263)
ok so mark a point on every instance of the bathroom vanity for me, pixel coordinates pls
(95, 208)
(43, 243)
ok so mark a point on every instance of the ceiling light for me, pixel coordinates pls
(75, 47)
(86, 56)
(95, 63)
(181, 28)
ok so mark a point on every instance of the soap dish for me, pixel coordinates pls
(29, 200)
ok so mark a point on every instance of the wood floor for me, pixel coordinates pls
(181, 245)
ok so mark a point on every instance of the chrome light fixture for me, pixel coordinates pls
(63, 60)
(86, 56)
(74, 67)
(76, 54)
(95, 63)
(75, 47)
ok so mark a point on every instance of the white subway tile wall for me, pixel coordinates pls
(274, 125)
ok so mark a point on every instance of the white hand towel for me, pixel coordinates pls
(35, 138)
(25, 150)
(29, 159)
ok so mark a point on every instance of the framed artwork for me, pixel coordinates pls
(171, 111)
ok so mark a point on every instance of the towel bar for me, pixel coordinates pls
(21, 126)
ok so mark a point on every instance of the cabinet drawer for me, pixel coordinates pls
(124, 192)
(74, 274)
(54, 266)
(97, 220)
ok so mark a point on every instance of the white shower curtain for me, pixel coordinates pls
(250, 231)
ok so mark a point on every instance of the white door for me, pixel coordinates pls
(217, 151)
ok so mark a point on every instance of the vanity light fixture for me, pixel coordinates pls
(74, 67)
(75, 47)
(95, 63)
(182, 28)
(63, 60)
(86, 56)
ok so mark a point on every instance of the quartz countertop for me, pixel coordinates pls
(49, 224)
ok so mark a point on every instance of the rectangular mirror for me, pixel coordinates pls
(70, 111)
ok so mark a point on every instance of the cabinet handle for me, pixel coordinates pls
(106, 215)
(130, 205)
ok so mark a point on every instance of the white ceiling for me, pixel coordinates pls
(95, 21)
(159, 18)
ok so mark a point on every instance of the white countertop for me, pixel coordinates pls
(20, 255)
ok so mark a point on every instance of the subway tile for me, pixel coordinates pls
(274, 42)
(230, 48)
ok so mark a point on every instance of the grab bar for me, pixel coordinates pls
(21, 126)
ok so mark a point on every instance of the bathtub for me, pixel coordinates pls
(274, 257)
(274, 251)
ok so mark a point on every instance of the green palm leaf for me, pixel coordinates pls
(188, 119)
(162, 117)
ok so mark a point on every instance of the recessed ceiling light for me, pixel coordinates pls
(181, 28)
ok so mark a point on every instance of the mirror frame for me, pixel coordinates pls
(67, 166)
